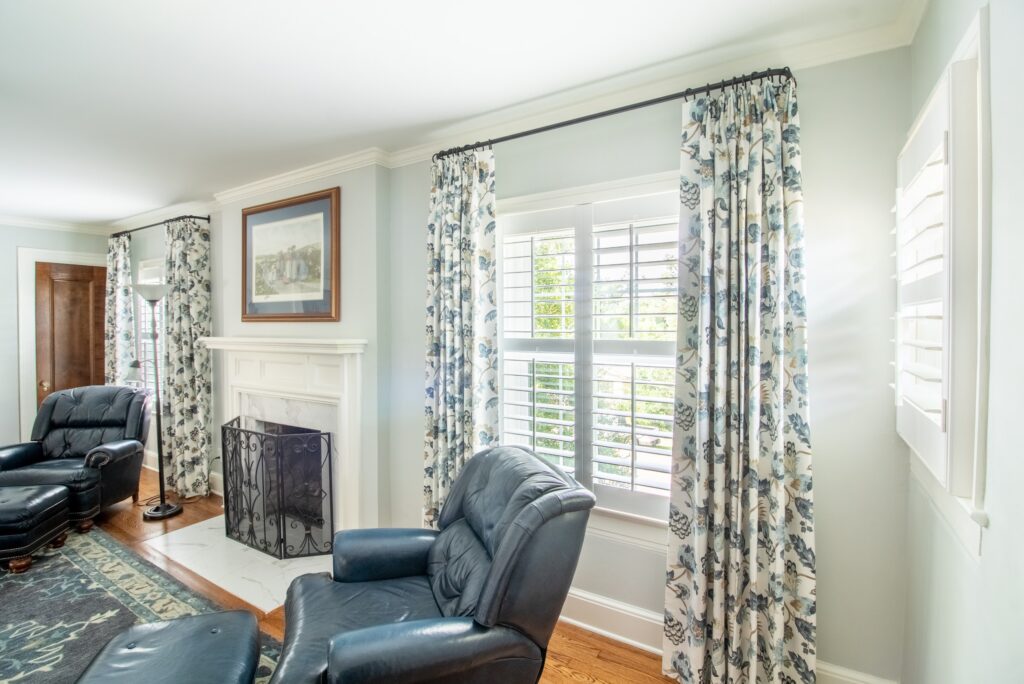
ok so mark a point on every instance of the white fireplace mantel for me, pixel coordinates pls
(309, 382)
(300, 345)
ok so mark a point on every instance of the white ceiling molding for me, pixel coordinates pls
(36, 224)
(162, 214)
(331, 167)
(651, 82)
(636, 86)
(910, 18)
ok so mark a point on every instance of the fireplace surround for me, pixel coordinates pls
(315, 383)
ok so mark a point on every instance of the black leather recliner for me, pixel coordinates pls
(475, 602)
(88, 439)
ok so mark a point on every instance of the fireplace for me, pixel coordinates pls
(277, 487)
(315, 383)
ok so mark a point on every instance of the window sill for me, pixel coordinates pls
(959, 513)
(631, 517)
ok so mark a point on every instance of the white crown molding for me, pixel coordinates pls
(36, 224)
(658, 80)
(162, 214)
(642, 84)
(331, 167)
(910, 18)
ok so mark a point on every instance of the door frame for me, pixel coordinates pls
(27, 258)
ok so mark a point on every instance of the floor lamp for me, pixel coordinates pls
(153, 293)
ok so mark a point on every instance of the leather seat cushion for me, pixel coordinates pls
(30, 517)
(219, 648)
(318, 608)
(82, 483)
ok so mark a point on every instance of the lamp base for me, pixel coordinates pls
(161, 511)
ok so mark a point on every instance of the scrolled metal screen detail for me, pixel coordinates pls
(277, 487)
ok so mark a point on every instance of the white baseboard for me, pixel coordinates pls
(642, 628)
(837, 674)
(623, 622)
(217, 483)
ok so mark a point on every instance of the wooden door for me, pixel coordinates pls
(70, 302)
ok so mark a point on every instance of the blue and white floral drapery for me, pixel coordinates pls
(461, 410)
(740, 600)
(119, 325)
(186, 374)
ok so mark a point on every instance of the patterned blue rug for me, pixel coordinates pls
(58, 615)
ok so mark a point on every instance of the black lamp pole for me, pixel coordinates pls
(153, 293)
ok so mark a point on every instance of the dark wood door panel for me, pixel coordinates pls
(70, 305)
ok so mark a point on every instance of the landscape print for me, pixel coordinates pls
(287, 259)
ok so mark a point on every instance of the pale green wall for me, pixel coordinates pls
(11, 238)
(854, 115)
(964, 614)
(147, 244)
(363, 233)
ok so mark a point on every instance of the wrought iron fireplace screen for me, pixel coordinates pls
(277, 487)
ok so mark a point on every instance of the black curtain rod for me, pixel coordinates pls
(161, 223)
(783, 73)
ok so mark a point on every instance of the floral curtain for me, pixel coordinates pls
(461, 411)
(740, 600)
(119, 326)
(186, 374)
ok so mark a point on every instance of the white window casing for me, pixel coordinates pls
(942, 280)
(587, 318)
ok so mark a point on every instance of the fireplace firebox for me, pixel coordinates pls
(277, 487)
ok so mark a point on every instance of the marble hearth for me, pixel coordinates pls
(251, 575)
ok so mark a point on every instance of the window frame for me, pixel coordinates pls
(953, 474)
(640, 200)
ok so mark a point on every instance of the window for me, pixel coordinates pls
(942, 292)
(588, 327)
(149, 271)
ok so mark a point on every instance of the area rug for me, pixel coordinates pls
(58, 615)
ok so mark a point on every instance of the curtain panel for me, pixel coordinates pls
(119, 324)
(186, 373)
(740, 599)
(461, 409)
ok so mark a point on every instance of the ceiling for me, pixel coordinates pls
(111, 108)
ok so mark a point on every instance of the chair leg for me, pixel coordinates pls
(19, 565)
(83, 526)
(135, 495)
(59, 541)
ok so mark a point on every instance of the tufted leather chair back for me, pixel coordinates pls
(72, 422)
(511, 533)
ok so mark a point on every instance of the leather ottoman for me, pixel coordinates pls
(219, 648)
(31, 517)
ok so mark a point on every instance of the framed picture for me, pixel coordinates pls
(291, 265)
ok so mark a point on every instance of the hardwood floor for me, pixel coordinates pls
(575, 655)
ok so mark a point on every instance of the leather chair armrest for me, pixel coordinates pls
(111, 452)
(19, 455)
(438, 650)
(381, 553)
